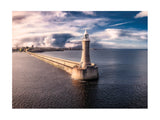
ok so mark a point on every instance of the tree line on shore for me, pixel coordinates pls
(40, 49)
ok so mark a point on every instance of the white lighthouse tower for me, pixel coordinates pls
(85, 58)
(85, 70)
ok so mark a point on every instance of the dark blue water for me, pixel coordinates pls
(122, 79)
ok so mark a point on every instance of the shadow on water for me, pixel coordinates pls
(88, 90)
(110, 95)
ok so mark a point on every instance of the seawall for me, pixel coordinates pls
(71, 67)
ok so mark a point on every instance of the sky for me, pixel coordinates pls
(107, 29)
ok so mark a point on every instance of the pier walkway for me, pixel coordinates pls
(63, 64)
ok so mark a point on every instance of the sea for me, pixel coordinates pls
(122, 77)
(122, 82)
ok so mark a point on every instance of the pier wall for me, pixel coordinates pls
(63, 64)
(71, 67)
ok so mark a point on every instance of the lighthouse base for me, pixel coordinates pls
(89, 73)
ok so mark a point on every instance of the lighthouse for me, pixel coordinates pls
(85, 58)
(85, 70)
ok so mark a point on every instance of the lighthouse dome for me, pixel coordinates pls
(85, 32)
(86, 35)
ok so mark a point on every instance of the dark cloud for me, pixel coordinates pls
(57, 40)
(95, 44)
(61, 39)
(138, 35)
(18, 19)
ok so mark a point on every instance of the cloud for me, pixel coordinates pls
(60, 39)
(89, 23)
(71, 43)
(114, 38)
(119, 24)
(52, 40)
(44, 24)
(141, 14)
(48, 41)
(18, 19)
(120, 34)
(27, 26)
(88, 12)
(65, 29)
(120, 38)
(58, 14)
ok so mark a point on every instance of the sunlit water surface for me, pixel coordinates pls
(122, 81)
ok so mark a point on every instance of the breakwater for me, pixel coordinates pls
(71, 67)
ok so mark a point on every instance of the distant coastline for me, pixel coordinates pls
(41, 49)
(45, 49)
